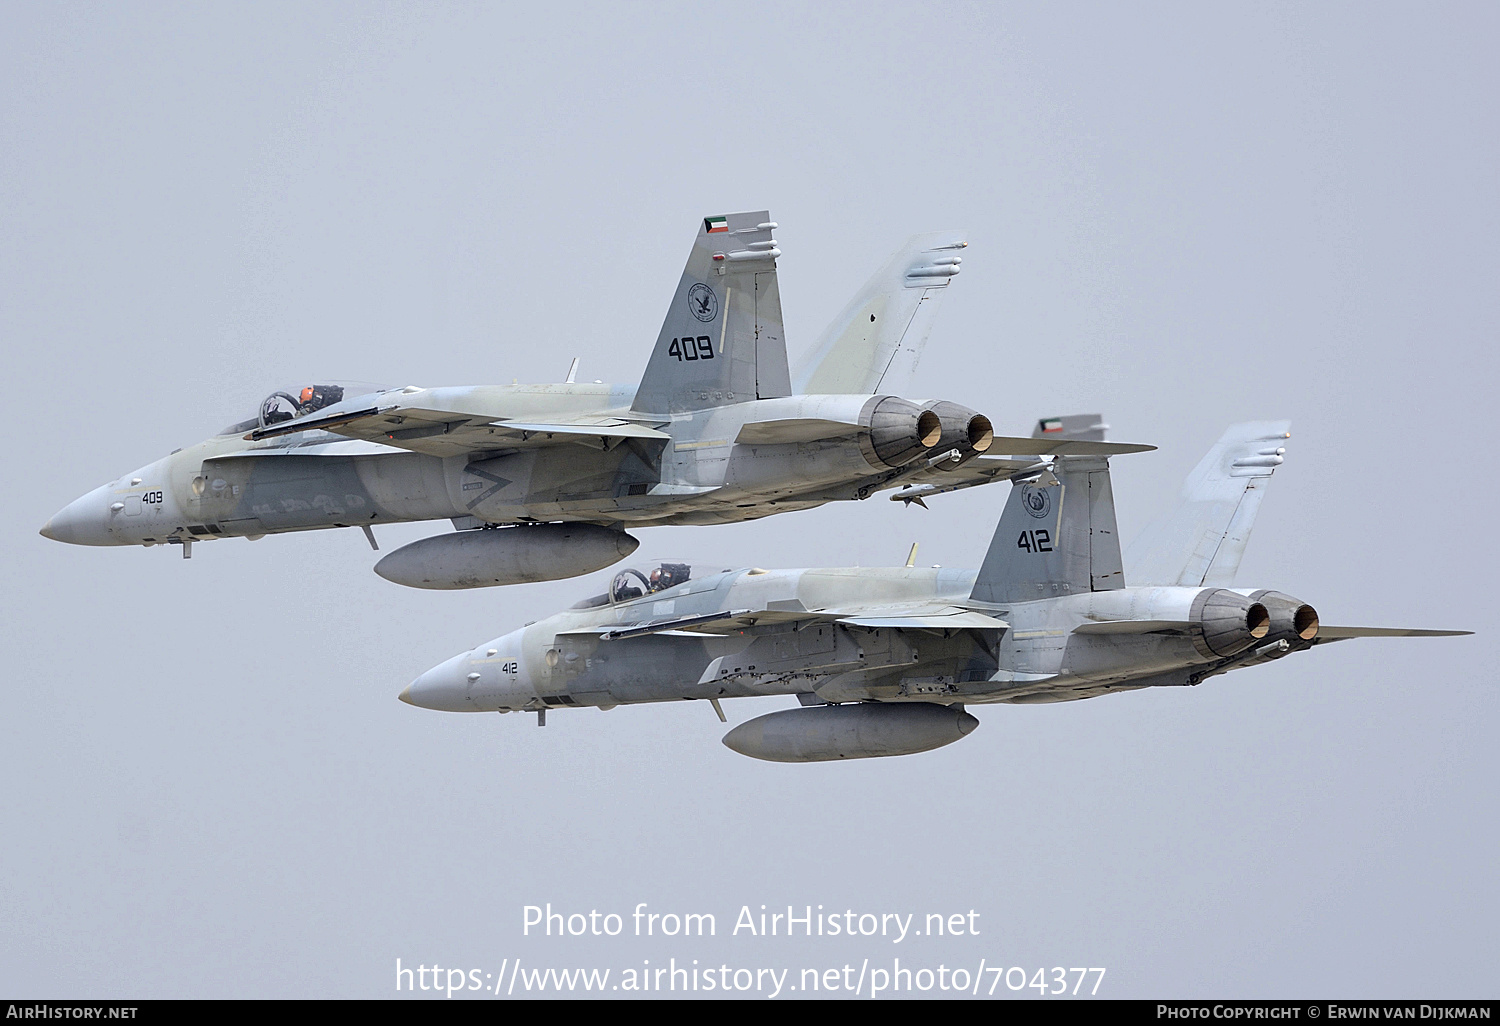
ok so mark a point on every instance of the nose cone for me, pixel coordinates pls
(84, 521)
(444, 687)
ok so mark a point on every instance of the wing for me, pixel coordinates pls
(932, 478)
(942, 473)
(319, 447)
(456, 421)
(928, 618)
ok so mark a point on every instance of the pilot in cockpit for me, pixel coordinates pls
(315, 397)
(279, 407)
(669, 575)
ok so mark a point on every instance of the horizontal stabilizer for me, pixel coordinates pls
(931, 478)
(1053, 436)
(1341, 633)
(1052, 446)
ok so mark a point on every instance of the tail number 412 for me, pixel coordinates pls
(1035, 541)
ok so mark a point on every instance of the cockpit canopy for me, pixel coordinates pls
(283, 406)
(632, 584)
(298, 401)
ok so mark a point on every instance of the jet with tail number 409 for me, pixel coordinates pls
(542, 481)
(884, 661)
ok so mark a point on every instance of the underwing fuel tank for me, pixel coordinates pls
(864, 730)
(505, 555)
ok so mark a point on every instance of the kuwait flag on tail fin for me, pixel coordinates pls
(716, 224)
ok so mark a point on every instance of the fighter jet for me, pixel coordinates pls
(541, 481)
(884, 661)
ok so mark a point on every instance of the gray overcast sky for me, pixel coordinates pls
(1179, 215)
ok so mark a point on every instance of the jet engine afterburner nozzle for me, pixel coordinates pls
(900, 431)
(1292, 619)
(1305, 622)
(963, 429)
(929, 429)
(981, 433)
(1229, 622)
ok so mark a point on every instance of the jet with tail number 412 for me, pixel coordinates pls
(887, 661)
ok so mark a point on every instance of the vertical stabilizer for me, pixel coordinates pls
(722, 341)
(1057, 536)
(873, 345)
(1200, 543)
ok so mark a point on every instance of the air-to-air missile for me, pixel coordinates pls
(888, 661)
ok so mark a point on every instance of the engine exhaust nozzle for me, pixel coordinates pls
(962, 428)
(1228, 622)
(1292, 620)
(981, 433)
(899, 431)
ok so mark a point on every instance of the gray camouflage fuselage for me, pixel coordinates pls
(711, 434)
(873, 653)
(792, 642)
(227, 486)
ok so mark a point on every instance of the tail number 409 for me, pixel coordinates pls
(688, 348)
